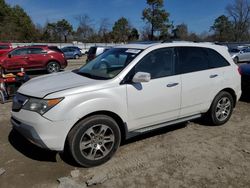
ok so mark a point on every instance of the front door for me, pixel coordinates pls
(158, 100)
(17, 59)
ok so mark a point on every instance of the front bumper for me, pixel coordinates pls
(41, 131)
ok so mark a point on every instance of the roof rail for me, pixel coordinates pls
(143, 42)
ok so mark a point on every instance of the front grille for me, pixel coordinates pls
(18, 101)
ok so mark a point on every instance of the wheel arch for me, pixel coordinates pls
(53, 60)
(231, 92)
(122, 125)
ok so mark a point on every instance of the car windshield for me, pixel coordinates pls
(109, 64)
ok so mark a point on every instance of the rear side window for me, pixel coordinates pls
(35, 51)
(216, 60)
(247, 50)
(192, 59)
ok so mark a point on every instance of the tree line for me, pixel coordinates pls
(17, 26)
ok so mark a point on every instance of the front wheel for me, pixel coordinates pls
(236, 60)
(94, 140)
(221, 108)
(77, 56)
(53, 66)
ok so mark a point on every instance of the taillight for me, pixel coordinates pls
(239, 70)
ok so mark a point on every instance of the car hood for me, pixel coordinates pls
(41, 86)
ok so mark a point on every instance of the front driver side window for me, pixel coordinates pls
(159, 63)
(19, 52)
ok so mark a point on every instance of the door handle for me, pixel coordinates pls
(172, 84)
(213, 75)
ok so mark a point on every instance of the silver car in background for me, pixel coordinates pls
(241, 55)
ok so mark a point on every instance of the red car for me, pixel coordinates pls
(48, 58)
(5, 47)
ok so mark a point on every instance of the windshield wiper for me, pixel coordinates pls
(88, 75)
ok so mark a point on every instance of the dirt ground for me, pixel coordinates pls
(184, 155)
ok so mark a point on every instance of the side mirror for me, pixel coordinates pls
(9, 55)
(140, 77)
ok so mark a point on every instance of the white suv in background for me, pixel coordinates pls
(127, 90)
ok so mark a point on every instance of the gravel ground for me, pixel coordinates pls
(184, 155)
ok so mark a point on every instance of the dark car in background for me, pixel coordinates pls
(72, 52)
(95, 51)
(38, 57)
(245, 77)
(5, 47)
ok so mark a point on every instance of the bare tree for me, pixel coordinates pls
(85, 29)
(104, 30)
(239, 13)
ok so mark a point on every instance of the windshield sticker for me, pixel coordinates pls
(133, 51)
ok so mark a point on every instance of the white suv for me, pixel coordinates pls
(125, 91)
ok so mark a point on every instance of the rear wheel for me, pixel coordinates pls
(221, 108)
(53, 66)
(94, 140)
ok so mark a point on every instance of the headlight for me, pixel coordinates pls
(41, 106)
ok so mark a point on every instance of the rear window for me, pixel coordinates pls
(2, 47)
(56, 49)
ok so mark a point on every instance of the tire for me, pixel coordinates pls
(76, 56)
(236, 60)
(53, 67)
(94, 140)
(221, 109)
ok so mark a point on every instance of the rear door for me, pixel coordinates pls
(200, 82)
(36, 58)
